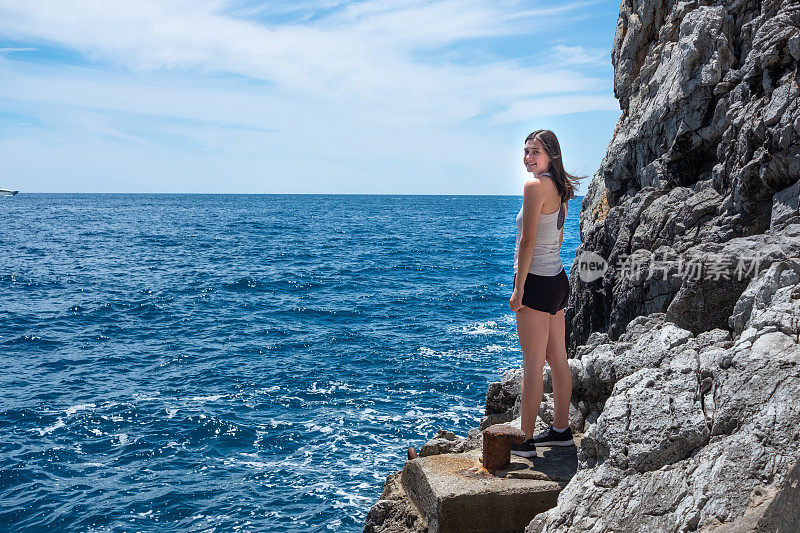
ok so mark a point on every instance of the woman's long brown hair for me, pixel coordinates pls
(566, 183)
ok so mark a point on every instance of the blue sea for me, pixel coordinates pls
(241, 362)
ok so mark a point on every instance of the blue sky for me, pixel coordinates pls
(376, 96)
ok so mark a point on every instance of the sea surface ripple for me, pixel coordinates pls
(241, 362)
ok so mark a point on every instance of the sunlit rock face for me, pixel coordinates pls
(702, 167)
(695, 374)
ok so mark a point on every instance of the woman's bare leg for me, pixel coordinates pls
(562, 376)
(533, 329)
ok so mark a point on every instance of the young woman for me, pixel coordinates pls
(540, 295)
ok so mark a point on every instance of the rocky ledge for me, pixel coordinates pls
(682, 432)
(685, 351)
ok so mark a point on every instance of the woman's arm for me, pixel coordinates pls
(532, 201)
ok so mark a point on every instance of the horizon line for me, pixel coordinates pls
(284, 193)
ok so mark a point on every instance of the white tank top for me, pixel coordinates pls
(546, 259)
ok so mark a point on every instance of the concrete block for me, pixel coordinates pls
(455, 493)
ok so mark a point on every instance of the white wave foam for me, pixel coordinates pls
(210, 398)
(316, 427)
(59, 424)
(492, 348)
(448, 354)
(334, 386)
(487, 327)
(80, 407)
(371, 415)
(274, 423)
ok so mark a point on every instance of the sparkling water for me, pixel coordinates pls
(241, 362)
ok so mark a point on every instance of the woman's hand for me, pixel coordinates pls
(516, 300)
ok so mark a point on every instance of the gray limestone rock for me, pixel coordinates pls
(547, 379)
(707, 150)
(714, 337)
(500, 396)
(646, 343)
(777, 289)
(443, 442)
(785, 206)
(394, 512)
(594, 340)
(653, 418)
(703, 167)
(707, 303)
(448, 442)
(754, 442)
(599, 374)
(684, 446)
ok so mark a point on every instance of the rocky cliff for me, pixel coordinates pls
(685, 354)
(709, 133)
(701, 367)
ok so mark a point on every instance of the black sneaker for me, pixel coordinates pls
(551, 437)
(526, 449)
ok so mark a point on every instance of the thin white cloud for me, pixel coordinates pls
(548, 106)
(12, 50)
(330, 96)
(87, 103)
(580, 55)
(292, 11)
(167, 96)
(368, 51)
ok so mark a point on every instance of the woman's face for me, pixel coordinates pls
(536, 159)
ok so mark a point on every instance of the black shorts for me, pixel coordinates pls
(546, 293)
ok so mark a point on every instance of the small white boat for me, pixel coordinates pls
(7, 192)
